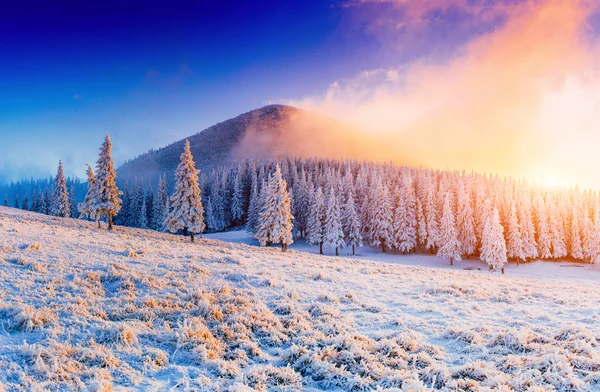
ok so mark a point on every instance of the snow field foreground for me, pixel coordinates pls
(82, 308)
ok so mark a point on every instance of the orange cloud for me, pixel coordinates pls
(522, 100)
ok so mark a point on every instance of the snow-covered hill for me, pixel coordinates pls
(269, 132)
(133, 309)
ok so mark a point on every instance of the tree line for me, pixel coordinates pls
(335, 204)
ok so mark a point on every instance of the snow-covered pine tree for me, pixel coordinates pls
(275, 225)
(591, 236)
(316, 219)
(381, 216)
(123, 218)
(253, 206)
(159, 213)
(72, 202)
(404, 223)
(527, 226)
(557, 240)
(60, 199)
(465, 223)
(150, 209)
(542, 229)
(35, 203)
(5, 200)
(106, 198)
(449, 247)
(431, 219)
(575, 240)
(143, 217)
(47, 201)
(515, 248)
(85, 208)
(351, 223)
(493, 247)
(218, 207)
(185, 205)
(17, 202)
(25, 203)
(334, 234)
(238, 209)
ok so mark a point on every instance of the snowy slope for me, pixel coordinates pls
(139, 310)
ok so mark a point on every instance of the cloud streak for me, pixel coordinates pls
(520, 99)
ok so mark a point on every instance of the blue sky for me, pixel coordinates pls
(149, 73)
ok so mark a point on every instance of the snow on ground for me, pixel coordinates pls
(540, 268)
(138, 310)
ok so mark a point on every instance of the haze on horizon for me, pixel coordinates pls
(509, 87)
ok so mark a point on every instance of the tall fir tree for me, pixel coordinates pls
(515, 247)
(186, 212)
(334, 233)
(25, 203)
(316, 219)
(159, 212)
(85, 208)
(275, 225)
(450, 247)
(106, 201)
(405, 216)
(60, 199)
(381, 216)
(465, 223)
(493, 247)
(351, 223)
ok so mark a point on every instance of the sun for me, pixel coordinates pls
(551, 181)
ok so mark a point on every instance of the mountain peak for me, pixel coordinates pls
(270, 131)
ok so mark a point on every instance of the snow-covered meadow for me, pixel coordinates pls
(133, 309)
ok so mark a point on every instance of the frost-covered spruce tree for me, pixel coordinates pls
(253, 206)
(334, 234)
(25, 203)
(34, 201)
(124, 216)
(575, 240)
(275, 224)
(405, 218)
(557, 240)
(591, 238)
(85, 208)
(72, 202)
(527, 227)
(5, 200)
(449, 247)
(159, 209)
(493, 247)
(381, 216)
(542, 229)
(238, 211)
(515, 247)
(431, 219)
(465, 223)
(17, 202)
(60, 198)
(209, 215)
(185, 205)
(351, 223)
(316, 219)
(107, 199)
(47, 202)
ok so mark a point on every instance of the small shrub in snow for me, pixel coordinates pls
(35, 266)
(271, 378)
(26, 318)
(119, 334)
